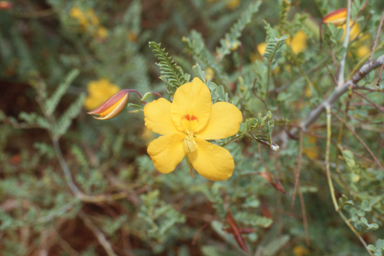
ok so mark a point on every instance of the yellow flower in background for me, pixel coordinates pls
(89, 21)
(299, 250)
(85, 19)
(102, 33)
(311, 150)
(98, 92)
(363, 51)
(298, 43)
(233, 4)
(186, 124)
(209, 74)
(132, 36)
(233, 46)
(147, 135)
(353, 33)
(261, 49)
(339, 18)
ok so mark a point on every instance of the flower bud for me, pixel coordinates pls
(112, 107)
(336, 18)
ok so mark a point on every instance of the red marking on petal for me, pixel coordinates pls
(194, 118)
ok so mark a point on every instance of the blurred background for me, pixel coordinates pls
(62, 58)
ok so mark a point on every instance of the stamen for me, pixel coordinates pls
(189, 143)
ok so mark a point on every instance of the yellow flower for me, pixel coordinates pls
(311, 149)
(84, 19)
(132, 36)
(88, 21)
(233, 4)
(300, 251)
(353, 33)
(101, 33)
(147, 135)
(91, 16)
(209, 74)
(299, 42)
(99, 91)
(363, 51)
(186, 124)
(261, 49)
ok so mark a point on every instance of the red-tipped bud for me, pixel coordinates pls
(336, 18)
(112, 107)
(5, 5)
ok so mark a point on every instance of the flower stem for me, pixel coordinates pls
(329, 178)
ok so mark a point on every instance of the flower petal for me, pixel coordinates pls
(158, 117)
(167, 151)
(211, 161)
(193, 99)
(224, 122)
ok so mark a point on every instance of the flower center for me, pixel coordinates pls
(189, 122)
(189, 142)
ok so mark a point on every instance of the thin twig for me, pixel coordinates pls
(99, 235)
(200, 230)
(360, 74)
(360, 12)
(361, 141)
(362, 61)
(340, 137)
(257, 96)
(373, 104)
(297, 173)
(332, 76)
(334, 61)
(329, 178)
(304, 213)
(261, 159)
(34, 14)
(381, 142)
(381, 70)
(377, 37)
(340, 82)
(64, 167)
(367, 89)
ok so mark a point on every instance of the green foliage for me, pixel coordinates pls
(231, 39)
(196, 46)
(271, 50)
(157, 216)
(172, 75)
(253, 220)
(100, 170)
(52, 102)
(66, 119)
(378, 248)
